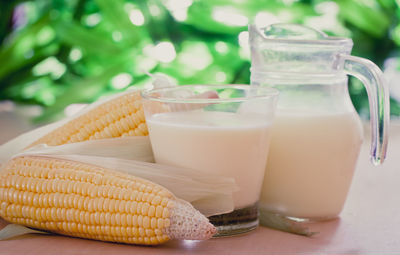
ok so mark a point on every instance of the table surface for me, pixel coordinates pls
(369, 224)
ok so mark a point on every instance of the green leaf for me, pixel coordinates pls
(21, 44)
(115, 13)
(371, 20)
(72, 33)
(82, 90)
(200, 15)
(387, 4)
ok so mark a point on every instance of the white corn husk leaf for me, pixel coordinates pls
(132, 147)
(18, 144)
(15, 230)
(160, 80)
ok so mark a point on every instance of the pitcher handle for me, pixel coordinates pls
(378, 95)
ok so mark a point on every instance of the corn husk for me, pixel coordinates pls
(133, 148)
(15, 230)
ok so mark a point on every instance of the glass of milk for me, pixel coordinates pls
(216, 129)
(317, 134)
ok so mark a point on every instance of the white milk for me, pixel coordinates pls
(227, 144)
(311, 163)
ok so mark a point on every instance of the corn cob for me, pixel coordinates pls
(87, 201)
(119, 117)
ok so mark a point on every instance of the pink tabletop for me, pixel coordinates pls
(369, 224)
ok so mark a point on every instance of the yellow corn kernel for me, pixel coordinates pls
(121, 116)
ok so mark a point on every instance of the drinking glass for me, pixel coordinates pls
(216, 129)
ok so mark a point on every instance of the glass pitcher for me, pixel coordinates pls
(317, 133)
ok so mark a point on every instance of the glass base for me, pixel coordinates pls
(311, 219)
(237, 222)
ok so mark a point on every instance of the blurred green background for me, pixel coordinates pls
(60, 54)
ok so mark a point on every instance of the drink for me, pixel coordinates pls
(228, 144)
(220, 130)
(311, 163)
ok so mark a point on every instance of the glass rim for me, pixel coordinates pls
(328, 41)
(269, 93)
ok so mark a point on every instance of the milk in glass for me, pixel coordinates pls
(228, 144)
